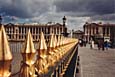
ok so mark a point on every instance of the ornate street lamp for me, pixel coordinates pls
(64, 27)
(64, 20)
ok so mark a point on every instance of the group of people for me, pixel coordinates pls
(82, 42)
(100, 44)
(92, 44)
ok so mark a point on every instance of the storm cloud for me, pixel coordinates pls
(86, 7)
(24, 8)
(43, 11)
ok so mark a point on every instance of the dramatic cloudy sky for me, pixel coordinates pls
(43, 11)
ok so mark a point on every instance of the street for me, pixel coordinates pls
(96, 63)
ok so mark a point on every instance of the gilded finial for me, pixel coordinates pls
(29, 45)
(42, 44)
(51, 43)
(55, 41)
(5, 53)
(58, 41)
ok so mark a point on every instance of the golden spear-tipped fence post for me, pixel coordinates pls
(59, 49)
(56, 48)
(51, 50)
(5, 54)
(41, 63)
(28, 54)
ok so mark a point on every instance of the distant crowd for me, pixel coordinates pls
(101, 44)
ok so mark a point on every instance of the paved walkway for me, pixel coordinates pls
(97, 63)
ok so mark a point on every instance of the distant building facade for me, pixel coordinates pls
(78, 34)
(99, 30)
(17, 32)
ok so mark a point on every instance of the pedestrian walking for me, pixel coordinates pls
(106, 44)
(91, 44)
(98, 45)
(81, 42)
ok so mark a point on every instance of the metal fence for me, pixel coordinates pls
(65, 67)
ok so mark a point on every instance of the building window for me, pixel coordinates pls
(93, 30)
(33, 30)
(60, 30)
(22, 30)
(87, 30)
(107, 31)
(103, 31)
(42, 29)
(39, 30)
(57, 30)
(90, 31)
(36, 30)
(9, 30)
(49, 30)
(16, 31)
(28, 28)
(19, 36)
(9, 36)
(19, 29)
(25, 30)
(54, 30)
(97, 30)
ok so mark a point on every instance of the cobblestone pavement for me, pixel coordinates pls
(97, 63)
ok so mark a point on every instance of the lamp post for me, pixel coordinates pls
(64, 20)
(64, 27)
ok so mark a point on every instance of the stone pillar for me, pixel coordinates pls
(105, 31)
(56, 31)
(109, 31)
(91, 30)
(40, 29)
(11, 33)
(38, 33)
(20, 33)
(59, 31)
(50, 30)
(35, 34)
